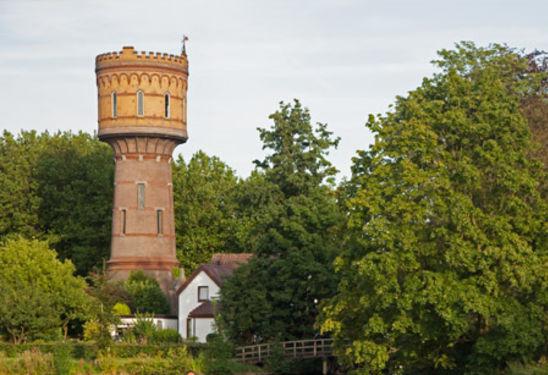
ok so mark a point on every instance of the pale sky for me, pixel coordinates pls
(343, 59)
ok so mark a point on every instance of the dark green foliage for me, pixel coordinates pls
(75, 185)
(444, 269)
(205, 209)
(19, 201)
(145, 295)
(294, 227)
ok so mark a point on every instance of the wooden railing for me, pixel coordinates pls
(291, 349)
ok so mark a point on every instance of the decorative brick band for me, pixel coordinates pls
(133, 263)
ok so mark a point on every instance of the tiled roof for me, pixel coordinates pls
(206, 309)
(219, 270)
(226, 258)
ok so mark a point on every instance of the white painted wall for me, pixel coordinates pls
(188, 301)
(203, 327)
(128, 322)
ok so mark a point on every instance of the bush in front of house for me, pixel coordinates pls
(144, 331)
(145, 294)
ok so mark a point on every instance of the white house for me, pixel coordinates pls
(197, 296)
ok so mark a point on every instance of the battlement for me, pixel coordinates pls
(129, 55)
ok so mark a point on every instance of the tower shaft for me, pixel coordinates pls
(143, 230)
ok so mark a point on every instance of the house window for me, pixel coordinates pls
(140, 195)
(203, 293)
(166, 105)
(140, 103)
(114, 100)
(160, 221)
(124, 213)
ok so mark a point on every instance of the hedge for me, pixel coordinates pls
(90, 350)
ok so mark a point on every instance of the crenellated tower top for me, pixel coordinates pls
(128, 55)
(142, 94)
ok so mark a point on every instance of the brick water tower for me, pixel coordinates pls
(142, 115)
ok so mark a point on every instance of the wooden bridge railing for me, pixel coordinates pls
(292, 349)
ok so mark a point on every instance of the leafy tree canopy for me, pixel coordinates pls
(444, 269)
(38, 293)
(294, 229)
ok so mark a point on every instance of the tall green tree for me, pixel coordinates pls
(443, 270)
(74, 175)
(205, 209)
(38, 293)
(294, 229)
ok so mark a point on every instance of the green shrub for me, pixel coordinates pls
(174, 362)
(145, 294)
(121, 309)
(167, 335)
(91, 350)
(143, 329)
(128, 350)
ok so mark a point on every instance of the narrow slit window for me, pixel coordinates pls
(123, 213)
(140, 195)
(114, 104)
(140, 103)
(160, 221)
(167, 105)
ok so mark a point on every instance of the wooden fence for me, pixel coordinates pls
(313, 348)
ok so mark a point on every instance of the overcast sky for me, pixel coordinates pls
(343, 59)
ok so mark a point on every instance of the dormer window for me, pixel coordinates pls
(203, 293)
(114, 101)
(167, 106)
(140, 103)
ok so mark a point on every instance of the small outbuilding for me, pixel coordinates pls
(197, 297)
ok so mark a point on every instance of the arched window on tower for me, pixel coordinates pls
(114, 101)
(140, 103)
(167, 105)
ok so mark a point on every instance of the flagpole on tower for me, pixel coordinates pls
(185, 39)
